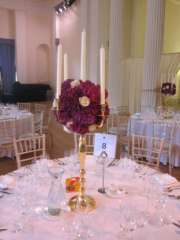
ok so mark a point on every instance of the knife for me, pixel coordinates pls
(4, 192)
(111, 162)
(2, 230)
(177, 225)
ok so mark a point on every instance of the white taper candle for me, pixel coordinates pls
(161, 79)
(172, 82)
(102, 74)
(59, 71)
(65, 66)
(83, 55)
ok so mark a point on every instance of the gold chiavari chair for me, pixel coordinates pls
(28, 147)
(24, 106)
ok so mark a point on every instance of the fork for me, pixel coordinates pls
(1, 196)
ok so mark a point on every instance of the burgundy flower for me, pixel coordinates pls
(167, 89)
(72, 111)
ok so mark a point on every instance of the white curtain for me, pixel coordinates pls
(131, 83)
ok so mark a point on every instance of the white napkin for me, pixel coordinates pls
(5, 181)
(167, 179)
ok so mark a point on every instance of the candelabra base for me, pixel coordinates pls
(166, 117)
(73, 203)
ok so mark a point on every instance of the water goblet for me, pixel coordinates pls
(14, 223)
(127, 222)
(168, 213)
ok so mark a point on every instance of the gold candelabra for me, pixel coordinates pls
(82, 157)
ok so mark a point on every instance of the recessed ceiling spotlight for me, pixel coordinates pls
(63, 5)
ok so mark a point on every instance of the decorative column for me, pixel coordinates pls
(115, 50)
(153, 49)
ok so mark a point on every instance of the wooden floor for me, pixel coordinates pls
(63, 142)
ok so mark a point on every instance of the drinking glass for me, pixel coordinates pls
(66, 156)
(14, 223)
(85, 224)
(16, 195)
(127, 222)
(158, 201)
(168, 213)
(69, 223)
(141, 215)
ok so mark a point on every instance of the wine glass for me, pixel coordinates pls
(127, 222)
(14, 222)
(66, 156)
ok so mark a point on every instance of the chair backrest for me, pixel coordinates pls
(147, 147)
(24, 106)
(124, 130)
(89, 137)
(8, 128)
(164, 130)
(40, 108)
(29, 146)
(122, 110)
(111, 122)
(38, 122)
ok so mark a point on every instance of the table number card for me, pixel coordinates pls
(105, 142)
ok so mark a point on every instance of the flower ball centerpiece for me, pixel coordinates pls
(168, 89)
(79, 106)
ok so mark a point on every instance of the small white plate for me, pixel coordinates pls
(114, 194)
(137, 114)
(54, 218)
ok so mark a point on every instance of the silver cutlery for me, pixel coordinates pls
(55, 160)
(1, 196)
(4, 192)
(170, 190)
(177, 225)
(2, 230)
(173, 186)
(111, 162)
(176, 196)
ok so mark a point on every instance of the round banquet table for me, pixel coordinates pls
(145, 128)
(104, 216)
(24, 120)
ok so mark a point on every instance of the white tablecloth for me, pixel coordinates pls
(23, 125)
(105, 215)
(145, 128)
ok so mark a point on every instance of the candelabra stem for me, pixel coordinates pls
(166, 108)
(82, 196)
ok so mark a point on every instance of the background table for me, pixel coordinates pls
(24, 124)
(145, 128)
(105, 215)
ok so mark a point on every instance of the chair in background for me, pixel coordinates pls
(24, 106)
(122, 110)
(40, 108)
(147, 147)
(165, 130)
(89, 137)
(36, 126)
(29, 146)
(7, 134)
(47, 129)
(124, 132)
(112, 124)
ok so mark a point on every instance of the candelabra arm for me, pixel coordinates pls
(103, 106)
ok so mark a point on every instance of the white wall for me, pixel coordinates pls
(38, 32)
(6, 24)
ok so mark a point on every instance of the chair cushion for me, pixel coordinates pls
(166, 146)
(28, 135)
(44, 128)
(6, 140)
